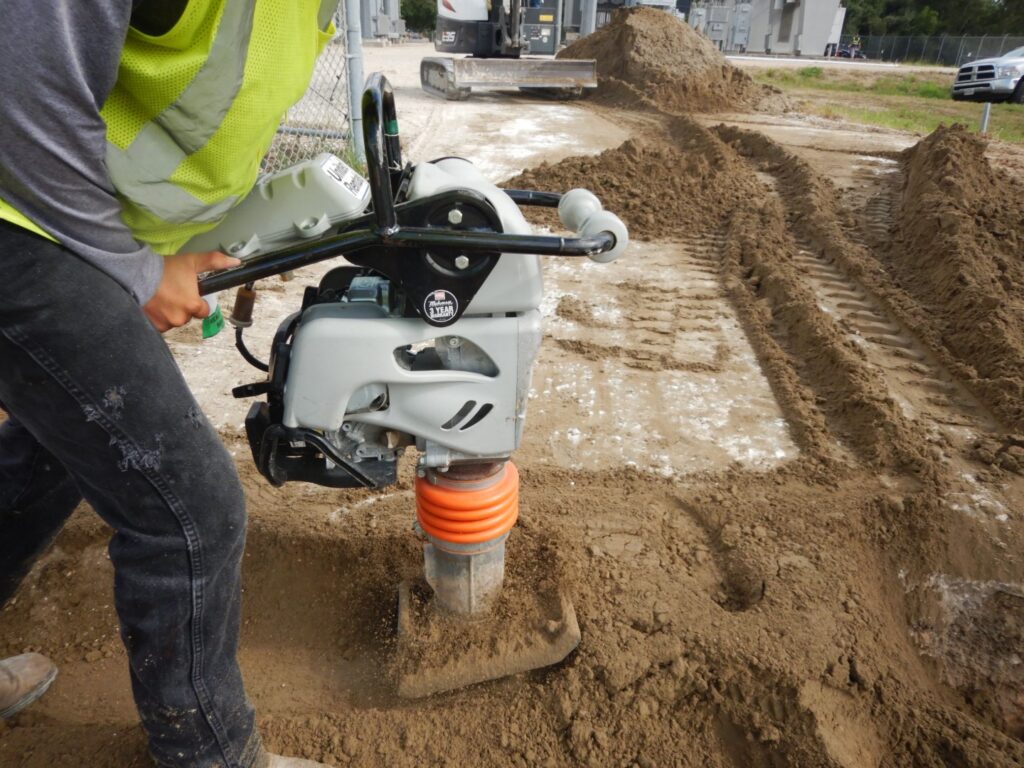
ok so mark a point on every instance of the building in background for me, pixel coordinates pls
(381, 19)
(793, 27)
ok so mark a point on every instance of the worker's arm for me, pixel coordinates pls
(58, 63)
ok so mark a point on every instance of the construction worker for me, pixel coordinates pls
(126, 127)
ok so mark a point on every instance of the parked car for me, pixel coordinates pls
(992, 79)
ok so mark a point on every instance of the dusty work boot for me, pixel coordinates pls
(23, 679)
(279, 761)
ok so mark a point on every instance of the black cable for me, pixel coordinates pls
(247, 355)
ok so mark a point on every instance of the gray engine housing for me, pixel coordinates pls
(350, 374)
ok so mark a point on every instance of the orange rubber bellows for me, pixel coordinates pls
(460, 516)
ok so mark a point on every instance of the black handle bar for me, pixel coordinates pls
(381, 228)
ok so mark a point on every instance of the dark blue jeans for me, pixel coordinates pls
(99, 409)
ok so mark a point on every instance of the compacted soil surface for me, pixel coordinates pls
(774, 457)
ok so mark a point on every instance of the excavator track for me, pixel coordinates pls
(437, 77)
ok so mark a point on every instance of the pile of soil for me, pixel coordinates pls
(828, 390)
(856, 407)
(646, 56)
(964, 624)
(957, 250)
(690, 180)
(903, 261)
(661, 186)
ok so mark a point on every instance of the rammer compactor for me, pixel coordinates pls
(424, 337)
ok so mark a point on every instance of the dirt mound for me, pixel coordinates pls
(871, 248)
(659, 188)
(965, 623)
(749, 614)
(689, 180)
(647, 55)
(829, 388)
(957, 250)
(760, 251)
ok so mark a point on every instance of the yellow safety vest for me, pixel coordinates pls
(194, 111)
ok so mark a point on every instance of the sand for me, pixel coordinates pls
(648, 59)
(858, 602)
(957, 249)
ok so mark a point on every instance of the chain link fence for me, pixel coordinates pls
(319, 122)
(946, 50)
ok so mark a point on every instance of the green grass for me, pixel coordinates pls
(919, 85)
(811, 73)
(1007, 123)
(913, 101)
(352, 159)
(897, 85)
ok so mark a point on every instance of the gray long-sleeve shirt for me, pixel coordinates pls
(58, 63)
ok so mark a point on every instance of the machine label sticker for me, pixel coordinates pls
(448, 37)
(345, 176)
(440, 306)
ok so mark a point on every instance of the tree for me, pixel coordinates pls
(967, 17)
(865, 17)
(924, 22)
(1012, 17)
(420, 15)
(929, 17)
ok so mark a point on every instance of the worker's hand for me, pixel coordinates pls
(177, 298)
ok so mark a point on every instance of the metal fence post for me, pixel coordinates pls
(588, 23)
(906, 54)
(960, 52)
(559, 12)
(942, 43)
(354, 54)
(1002, 45)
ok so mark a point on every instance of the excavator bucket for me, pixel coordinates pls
(453, 79)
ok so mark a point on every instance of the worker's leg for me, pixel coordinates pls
(85, 373)
(36, 497)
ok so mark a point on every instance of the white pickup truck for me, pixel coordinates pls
(992, 79)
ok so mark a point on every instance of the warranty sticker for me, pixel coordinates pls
(440, 306)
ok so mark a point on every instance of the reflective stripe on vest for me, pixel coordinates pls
(142, 171)
(207, 131)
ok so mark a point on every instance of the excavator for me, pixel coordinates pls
(509, 45)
